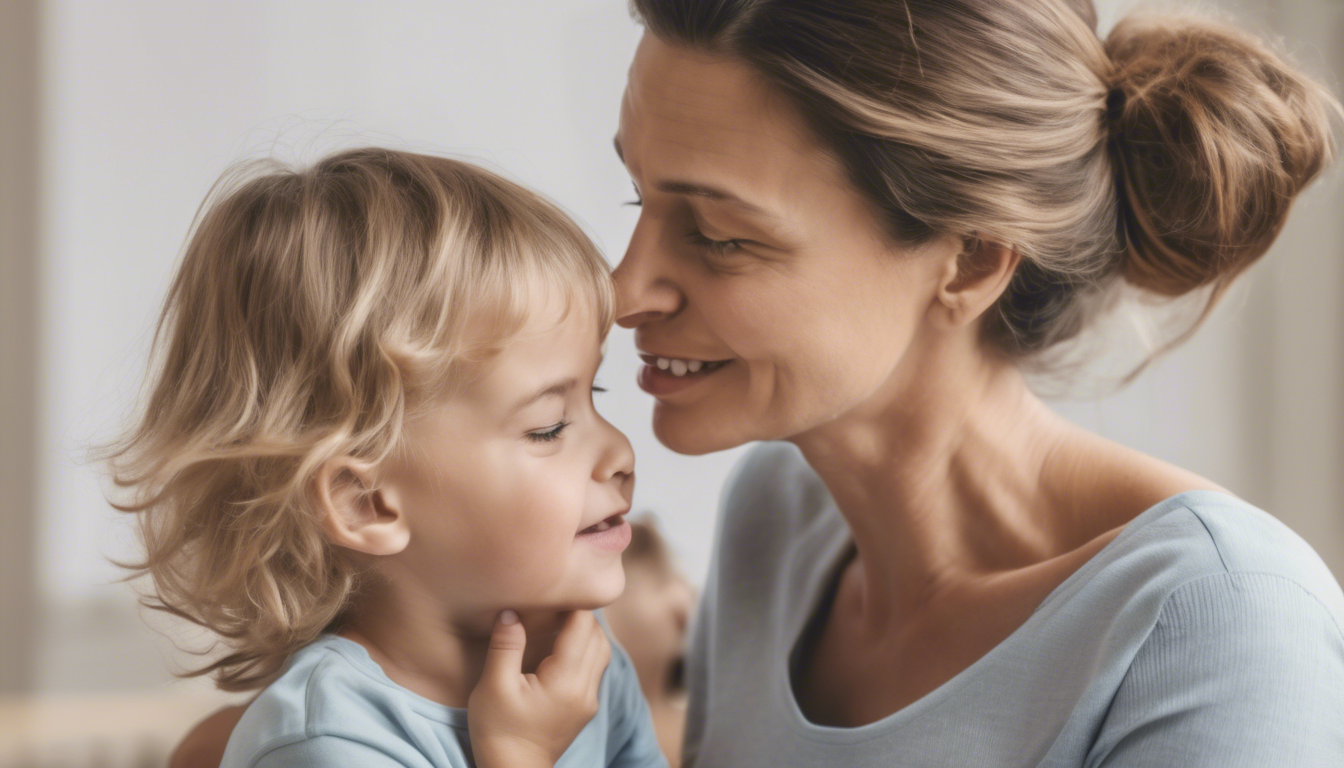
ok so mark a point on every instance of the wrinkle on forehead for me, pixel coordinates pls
(714, 118)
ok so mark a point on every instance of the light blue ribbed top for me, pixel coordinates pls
(1205, 634)
(334, 707)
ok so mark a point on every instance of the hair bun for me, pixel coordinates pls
(1213, 134)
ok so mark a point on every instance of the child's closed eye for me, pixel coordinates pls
(548, 435)
(552, 433)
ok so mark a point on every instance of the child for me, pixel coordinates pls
(371, 464)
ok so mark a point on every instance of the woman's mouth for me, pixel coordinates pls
(666, 375)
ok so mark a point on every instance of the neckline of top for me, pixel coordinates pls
(837, 549)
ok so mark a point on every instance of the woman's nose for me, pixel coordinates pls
(645, 288)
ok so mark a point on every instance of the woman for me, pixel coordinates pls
(860, 221)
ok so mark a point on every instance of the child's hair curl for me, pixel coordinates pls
(313, 308)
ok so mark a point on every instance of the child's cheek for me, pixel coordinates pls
(527, 552)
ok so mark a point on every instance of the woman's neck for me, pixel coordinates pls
(426, 648)
(946, 477)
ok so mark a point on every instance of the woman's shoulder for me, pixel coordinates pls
(772, 495)
(1207, 567)
(1203, 534)
(1243, 652)
(773, 479)
(765, 465)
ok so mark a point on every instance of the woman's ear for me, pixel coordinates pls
(356, 513)
(974, 280)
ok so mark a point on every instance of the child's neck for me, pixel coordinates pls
(424, 649)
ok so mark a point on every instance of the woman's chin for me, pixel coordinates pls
(695, 434)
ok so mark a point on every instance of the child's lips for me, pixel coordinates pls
(605, 523)
(612, 534)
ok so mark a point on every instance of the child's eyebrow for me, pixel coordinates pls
(558, 388)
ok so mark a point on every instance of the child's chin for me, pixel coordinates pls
(600, 593)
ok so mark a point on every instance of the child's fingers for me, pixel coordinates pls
(504, 656)
(596, 661)
(565, 665)
(574, 637)
(587, 673)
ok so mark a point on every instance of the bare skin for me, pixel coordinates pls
(968, 499)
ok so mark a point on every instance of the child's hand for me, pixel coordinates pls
(518, 719)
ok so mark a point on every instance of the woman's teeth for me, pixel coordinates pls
(682, 367)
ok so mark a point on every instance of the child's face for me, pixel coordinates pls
(502, 482)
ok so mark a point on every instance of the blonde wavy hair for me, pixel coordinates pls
(312, 310)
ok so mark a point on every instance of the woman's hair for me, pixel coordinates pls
(312, 310)
(1166, 156)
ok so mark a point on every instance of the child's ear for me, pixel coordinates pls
(974, 280)
(356, 513)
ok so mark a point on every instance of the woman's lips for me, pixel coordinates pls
(659, 381)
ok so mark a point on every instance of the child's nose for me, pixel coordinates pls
(618, 458)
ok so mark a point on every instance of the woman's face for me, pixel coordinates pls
(757, 271)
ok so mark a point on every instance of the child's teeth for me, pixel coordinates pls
(694, 366)
(664, 363)
(678, 367)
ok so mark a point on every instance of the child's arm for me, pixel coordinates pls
(519, 720)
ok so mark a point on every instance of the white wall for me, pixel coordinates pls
(18, 337)
(147, 102)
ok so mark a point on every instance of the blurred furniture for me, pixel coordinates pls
(126, 730)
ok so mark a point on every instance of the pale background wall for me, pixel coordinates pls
(144, 103)
(18, 339)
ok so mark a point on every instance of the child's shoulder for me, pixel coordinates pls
(332, 701)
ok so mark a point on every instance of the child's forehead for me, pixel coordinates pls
(546, 319)
(556, 341)
(554, 337)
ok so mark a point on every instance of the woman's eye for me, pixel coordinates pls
(714, 247)
(549, 435)
(639, 200)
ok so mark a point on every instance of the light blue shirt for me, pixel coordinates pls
(334, 707)
(1205, 634)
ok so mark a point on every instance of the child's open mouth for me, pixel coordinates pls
(612, 533)
(610, 522)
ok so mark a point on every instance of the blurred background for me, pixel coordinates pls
(115, 118)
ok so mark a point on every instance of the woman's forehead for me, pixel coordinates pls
(701, 113)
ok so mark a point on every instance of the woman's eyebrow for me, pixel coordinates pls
(695, 189)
